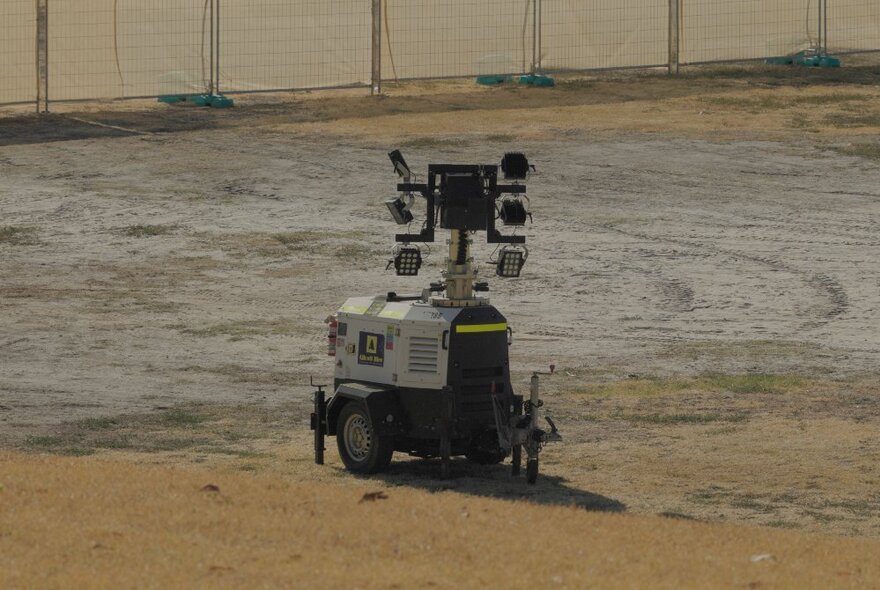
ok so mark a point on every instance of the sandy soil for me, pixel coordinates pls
(642, 244)
(692, 236)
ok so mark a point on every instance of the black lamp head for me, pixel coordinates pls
(399, 211)
(515, 166)
(400, 165)
(513, 212)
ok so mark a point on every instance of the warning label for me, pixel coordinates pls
(371, 349)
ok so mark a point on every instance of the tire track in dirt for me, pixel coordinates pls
(827, 286)
(864, 234)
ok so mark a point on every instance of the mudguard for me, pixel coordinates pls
(381, 403)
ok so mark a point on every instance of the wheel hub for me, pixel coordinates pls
(358, 437)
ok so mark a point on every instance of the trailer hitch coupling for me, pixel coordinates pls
(521, 431)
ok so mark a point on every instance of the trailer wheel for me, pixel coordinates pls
(361, 449)
(532, 470)
(484, 449)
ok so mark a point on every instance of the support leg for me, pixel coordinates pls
(319, 424)
(445, 456)
(532, 470)
(517, 449)
(532, 446)
(446, 436)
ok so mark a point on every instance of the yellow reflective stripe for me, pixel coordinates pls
(354, 308)
(469, 329)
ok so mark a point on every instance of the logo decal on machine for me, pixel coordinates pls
(371, 349)
(389, 337)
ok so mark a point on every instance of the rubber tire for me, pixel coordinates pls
(481, 456)
(532, 471)
(381, 448)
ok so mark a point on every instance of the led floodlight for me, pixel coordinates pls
(407, 261)
(510, 261)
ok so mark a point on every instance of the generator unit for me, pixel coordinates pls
(428, 373)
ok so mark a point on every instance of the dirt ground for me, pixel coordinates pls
(704, 273)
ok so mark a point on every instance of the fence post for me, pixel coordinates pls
(210, 47)
(376, 70)
(534, 68)
(42, 50)
(537, 25)
(674, 35)
(216, 53)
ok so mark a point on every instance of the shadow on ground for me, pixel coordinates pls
(494, 481)
(49, 127)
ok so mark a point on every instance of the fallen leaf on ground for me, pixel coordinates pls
(372, 497)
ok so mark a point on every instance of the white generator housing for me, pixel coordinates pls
(404, 343)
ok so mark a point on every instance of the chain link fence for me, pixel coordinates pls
(18, 59)
(61, 50)
(745, 29)
(853, 25)
(711, 31)
(603, 34)
(123, 49)
(449, 38)
(285, 44)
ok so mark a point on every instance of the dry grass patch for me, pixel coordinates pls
(683, 418)
(147, 231)
(869, 151)
(235, 529)
(249, 244)
(853, 120)
(244, 374)
(756, 351)
(18, 235)
(660, 386)
(817, 508)
(765, 102)
(297, 240)
(356, 251)
(432, 142)
(194, 429)
(285, 244)
(859, 70)
(242, 329)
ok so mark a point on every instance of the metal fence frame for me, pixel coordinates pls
(375, 15)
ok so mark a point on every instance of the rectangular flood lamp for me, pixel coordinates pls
(513, 212)
(400, 165)
(399, 211)
(510, 262)
(515, 166)
(408, 261)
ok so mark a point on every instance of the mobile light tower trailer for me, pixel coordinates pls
(428, 374)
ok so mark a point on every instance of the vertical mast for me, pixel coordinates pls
(459, 271)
